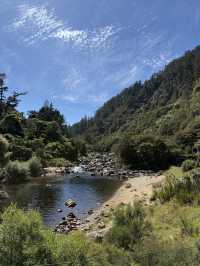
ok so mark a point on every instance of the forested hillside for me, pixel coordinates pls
(167, 106)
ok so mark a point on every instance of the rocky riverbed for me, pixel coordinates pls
(106, 164)
(136, 185)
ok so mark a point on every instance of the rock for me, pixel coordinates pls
(70, 203)
(59, 210)
(71, 215)
(86, 228)
(106, 214)
(90, 212)
(4, 195)
(101, 225)
(128, 185)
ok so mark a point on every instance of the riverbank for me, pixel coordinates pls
(134, 189)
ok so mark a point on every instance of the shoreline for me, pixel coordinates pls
(133, 189)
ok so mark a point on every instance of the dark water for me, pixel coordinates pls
(48, 195)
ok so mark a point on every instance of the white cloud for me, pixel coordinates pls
(39, 23)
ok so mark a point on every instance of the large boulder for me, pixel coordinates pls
(70, 203)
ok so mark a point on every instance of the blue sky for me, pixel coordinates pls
(80, 53)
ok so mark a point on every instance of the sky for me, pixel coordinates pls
(77, 54)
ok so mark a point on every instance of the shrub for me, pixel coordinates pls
(35, 167)
(12, 124)
(146, 152)
(152, 252)
(16, 172)
(20, 152)
(4, 155)
(129, 226)
(22, 240)
(188, 165)
(66, 150)
(185, 190)
(58, 162)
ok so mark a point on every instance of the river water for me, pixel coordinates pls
(49, 194)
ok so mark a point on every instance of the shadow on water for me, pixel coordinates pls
(49, 194)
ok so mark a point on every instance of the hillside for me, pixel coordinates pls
(166, 105)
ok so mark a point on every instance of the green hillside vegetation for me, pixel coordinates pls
(165, 235)
(33, 141)
(166, 106)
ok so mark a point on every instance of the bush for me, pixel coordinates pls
(66, 150)
(17, 172)
(188, 165)
(153, 252)
(4, 155)
(129, 226)
(185, 190)
(12, 124)
(20, 152)
(146, 152)
(35, 167)
(24, 241)
(58, 162)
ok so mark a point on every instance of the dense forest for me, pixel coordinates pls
(166, 106)
(31, 142)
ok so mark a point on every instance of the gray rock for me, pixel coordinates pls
(128, 185)
(70, 203)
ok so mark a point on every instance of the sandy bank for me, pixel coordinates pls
(138, 188)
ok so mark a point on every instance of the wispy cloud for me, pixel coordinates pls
(40, 23)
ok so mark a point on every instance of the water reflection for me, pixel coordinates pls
(50, 194)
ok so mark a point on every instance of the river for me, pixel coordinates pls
(49, 194)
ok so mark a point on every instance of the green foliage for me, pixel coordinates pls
(20, 152)
(166, 106)
(153, 252)
(185, 190)
(48, 113)
(58, 162)
(35, 167)
(12, 124)
(4, 155)
(129, 226)
(145, 152)
(53, 131)
(16, 172)
(188, 165)
(24, 241)
(187, 227)
(63, 149)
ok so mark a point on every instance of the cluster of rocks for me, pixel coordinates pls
(70, 222)
(107, 165)
(51, 171)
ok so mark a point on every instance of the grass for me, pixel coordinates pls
(174, 171)
(169, 221)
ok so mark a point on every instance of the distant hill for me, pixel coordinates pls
(166, 105)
